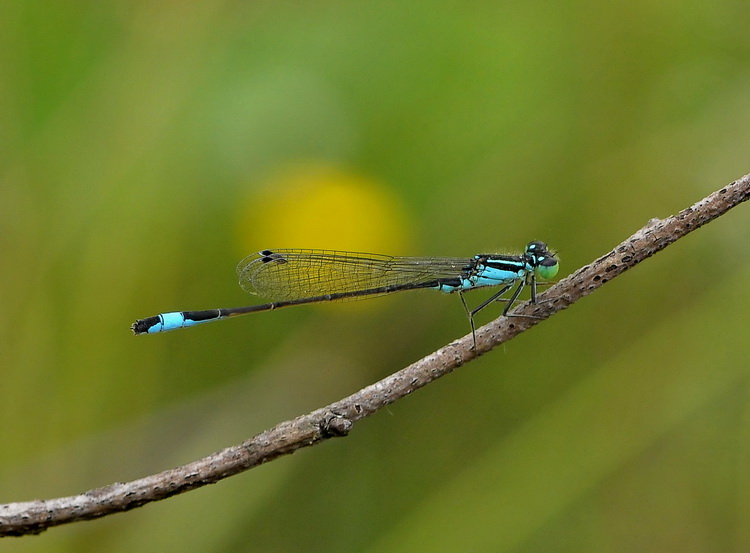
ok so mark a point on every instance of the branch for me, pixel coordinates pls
(337, 419)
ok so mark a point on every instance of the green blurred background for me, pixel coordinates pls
(146, 147)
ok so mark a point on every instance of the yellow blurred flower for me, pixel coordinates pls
(326, 207)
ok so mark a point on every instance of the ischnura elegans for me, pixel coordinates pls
(300, 276)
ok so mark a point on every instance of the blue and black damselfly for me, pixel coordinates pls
(297, 277)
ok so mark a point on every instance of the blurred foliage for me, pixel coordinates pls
(145, 148)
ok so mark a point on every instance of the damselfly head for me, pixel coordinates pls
(542, 259)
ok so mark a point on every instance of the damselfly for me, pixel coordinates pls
(297, 277)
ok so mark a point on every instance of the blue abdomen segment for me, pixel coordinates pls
(171, 321)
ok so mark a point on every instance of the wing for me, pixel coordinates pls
(295, 274)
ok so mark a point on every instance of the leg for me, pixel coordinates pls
(494, 297)
(514, 297)
(469, 314)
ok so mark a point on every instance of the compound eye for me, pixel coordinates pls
(548, 267)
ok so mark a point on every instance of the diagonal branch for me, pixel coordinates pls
(31, 517)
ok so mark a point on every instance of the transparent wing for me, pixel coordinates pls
(295, 274)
